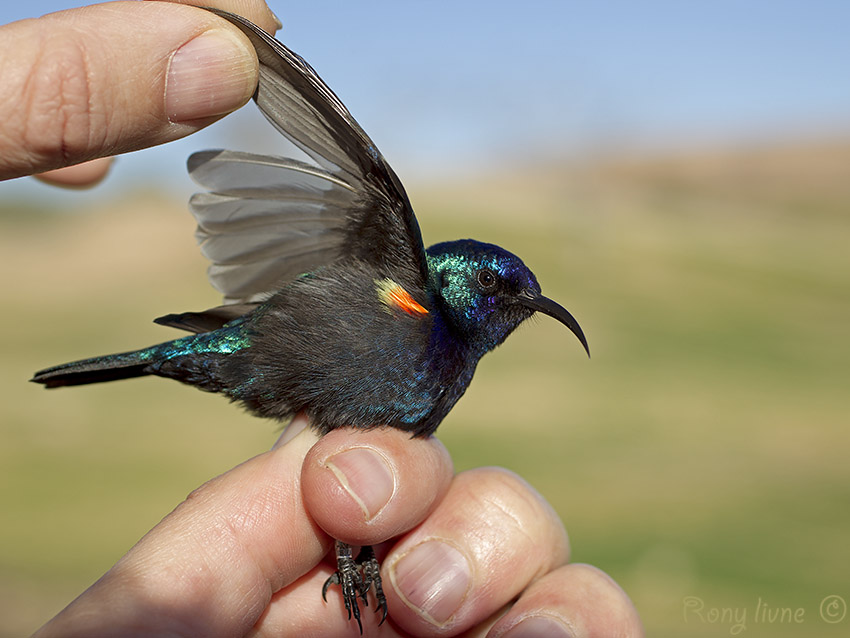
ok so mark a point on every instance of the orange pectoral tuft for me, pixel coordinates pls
(394, 296)
(400, 298)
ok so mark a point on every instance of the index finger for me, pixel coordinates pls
(210, 567)
(364, 487)
(88, 82)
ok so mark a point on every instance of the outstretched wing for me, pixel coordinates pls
(266, 220)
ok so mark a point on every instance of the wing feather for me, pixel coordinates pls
(232, 171)
(265, 220)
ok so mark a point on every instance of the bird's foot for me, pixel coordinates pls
(357, 577)
(371, 570)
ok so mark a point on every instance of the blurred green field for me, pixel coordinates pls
(700, 457)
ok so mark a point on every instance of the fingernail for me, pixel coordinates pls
(213, 74)
(366, 476)
(298, 424)
(278, 24)
(433, 579)
(538, 627)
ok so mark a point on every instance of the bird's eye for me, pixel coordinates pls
(486, 278)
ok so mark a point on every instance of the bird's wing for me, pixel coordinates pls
(266, 220)
(208, 320)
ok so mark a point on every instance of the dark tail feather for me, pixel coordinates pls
(108, 368)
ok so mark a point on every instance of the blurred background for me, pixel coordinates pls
(676, 174)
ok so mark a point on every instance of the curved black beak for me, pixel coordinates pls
(535, 301)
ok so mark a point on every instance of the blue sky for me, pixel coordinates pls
(447, 86)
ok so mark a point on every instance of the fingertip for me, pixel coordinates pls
(211, 75)
(298, 425)
(573, 601)
(85, 175)
(365, 486)
(104, 87)
(256, 11)
(491, 535)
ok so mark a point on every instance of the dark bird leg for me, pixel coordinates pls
(357, 577)
(347, 575)
(372, 577)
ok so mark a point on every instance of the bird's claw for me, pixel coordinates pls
(357, 577)
(371, 571)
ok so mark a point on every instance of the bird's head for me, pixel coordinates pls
(486, 292)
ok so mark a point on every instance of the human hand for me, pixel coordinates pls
(111, 78)
(246, 553)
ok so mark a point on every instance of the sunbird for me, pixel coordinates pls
(332, 304)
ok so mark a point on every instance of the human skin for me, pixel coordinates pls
(478, 553)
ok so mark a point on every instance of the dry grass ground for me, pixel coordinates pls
(700, 457)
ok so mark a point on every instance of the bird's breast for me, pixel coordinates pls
(357, 349)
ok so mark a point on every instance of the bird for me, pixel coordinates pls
(332, 304)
